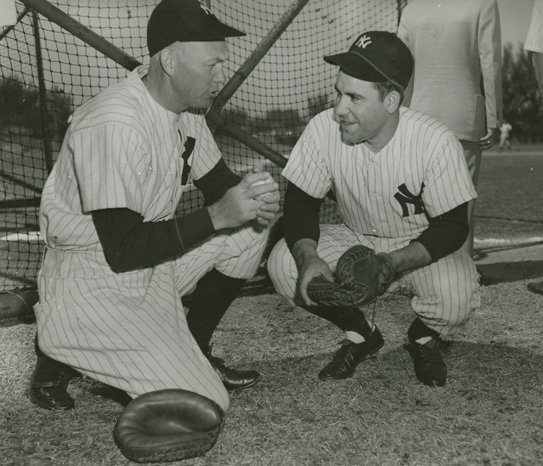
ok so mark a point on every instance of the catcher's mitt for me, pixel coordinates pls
(168, 425)
(361, 276)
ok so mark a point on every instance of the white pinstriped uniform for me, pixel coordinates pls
(129, 330)
(421, 152)
(534, 38)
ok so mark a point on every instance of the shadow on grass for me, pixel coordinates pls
(496, 366)
(475, 365)
(493, 393)
(497, 370)
(502, 272)
(379, 416)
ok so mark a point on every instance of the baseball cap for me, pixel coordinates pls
(376, 56)
(184, 21)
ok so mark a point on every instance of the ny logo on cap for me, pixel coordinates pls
(363, 41)
(206, 9)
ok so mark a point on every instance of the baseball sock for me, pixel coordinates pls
(349, 319)
(213, 295)
(420, 332)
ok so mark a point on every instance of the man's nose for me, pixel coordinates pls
(341, 107)
(220, 78)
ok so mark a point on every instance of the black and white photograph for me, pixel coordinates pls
(271, 232)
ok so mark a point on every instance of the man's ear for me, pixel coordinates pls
(166, 60)
(168, 56)
(392, 101)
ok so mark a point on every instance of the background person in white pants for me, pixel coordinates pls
(534, 44)
(402, 187)
(118, 257)
(505, 129)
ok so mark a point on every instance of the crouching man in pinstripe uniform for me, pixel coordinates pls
(118, 257)
(402, 187)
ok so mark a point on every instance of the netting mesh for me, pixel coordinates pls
(289, 85)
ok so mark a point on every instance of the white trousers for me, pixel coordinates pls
(129, 330)
(445, 292)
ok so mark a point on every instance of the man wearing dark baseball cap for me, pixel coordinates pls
(376, 56)
(111, 218)
(402, 187)
(184, 21)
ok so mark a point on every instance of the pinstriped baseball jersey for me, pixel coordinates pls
(384, 195)
(136, 162)
(129, 330)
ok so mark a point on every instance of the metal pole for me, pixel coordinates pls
(214, 118)
(258, 53)
(43, 96)
(82, 32)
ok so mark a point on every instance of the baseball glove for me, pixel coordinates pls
(168, 425)
(361, 276)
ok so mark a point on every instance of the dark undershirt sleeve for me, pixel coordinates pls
(447, 233)
(129, 243)
(216, 182)
(300, 215)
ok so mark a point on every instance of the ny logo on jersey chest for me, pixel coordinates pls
(405, 197)
(189, 147)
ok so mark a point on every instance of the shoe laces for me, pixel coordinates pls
(215, 361)
(345, 347)
(429, 351)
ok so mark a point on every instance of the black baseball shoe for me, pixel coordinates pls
(49, 383)
(430, 368)
(350, 355)
(233, 379)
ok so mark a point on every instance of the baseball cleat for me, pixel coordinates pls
(430, 368)
(350, 355)
(234, 379)
(49, 383)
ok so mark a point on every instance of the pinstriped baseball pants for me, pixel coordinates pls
(445, 292)
(129, 330)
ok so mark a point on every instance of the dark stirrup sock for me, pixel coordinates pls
(346, 318)
(419, 329)
(213, 295)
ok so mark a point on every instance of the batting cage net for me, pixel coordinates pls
(61, 53)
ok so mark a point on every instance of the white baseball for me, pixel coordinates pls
(269, 179)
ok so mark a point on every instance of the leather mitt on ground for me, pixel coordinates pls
(168, 425)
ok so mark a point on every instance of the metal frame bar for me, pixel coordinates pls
(214, 118)
(258, 53)
(47, 145)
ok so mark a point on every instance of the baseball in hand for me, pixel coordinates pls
(261, 182)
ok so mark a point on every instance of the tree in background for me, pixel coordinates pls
(522, 101)
(20, 107)
(318, 103)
